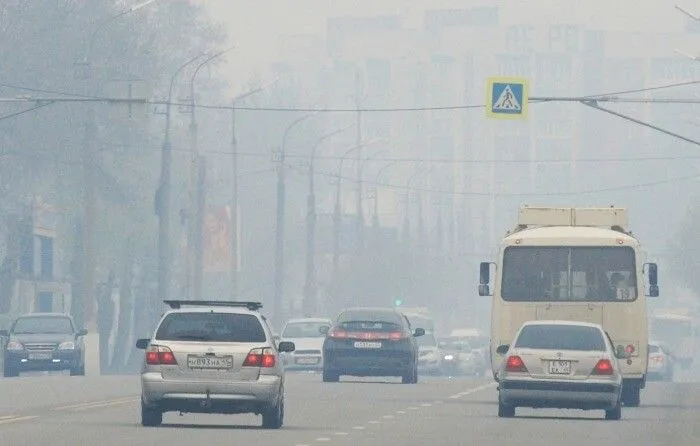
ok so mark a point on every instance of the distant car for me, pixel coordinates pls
(308, 336)
(371, 342)
(429, 355)
(560, 364)
(458, 357)
(44, 342)
(213, 357)
(661, 362)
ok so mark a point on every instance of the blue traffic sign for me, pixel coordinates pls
(507, 98)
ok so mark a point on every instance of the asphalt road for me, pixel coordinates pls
(63, 410)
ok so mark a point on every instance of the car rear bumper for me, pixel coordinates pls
(214, 396)
(355, 365)
(302, 362)
(59, 360)
(559, 394)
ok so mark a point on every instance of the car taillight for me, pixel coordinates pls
(398, 335)
(260, 357)
(603, 367)
(159, 355)
(658, 358)
(338, 334)
(630, 349)
(515, 364)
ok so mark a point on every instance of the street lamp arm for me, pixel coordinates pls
(242, 96)
(324, 138)
(294, 124)
(202, 65)
(177, 73)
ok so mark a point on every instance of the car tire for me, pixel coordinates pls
(615, 413)
(631, 396)
(505, 411)
(151, 416)
(78, 371)
(410, 377)
(10, 372)
(330, 376)
(273, 418)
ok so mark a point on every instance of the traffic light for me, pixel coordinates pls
(398, 302)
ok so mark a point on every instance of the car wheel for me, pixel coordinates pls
(410, 377)
(151, 416)
(505, 411)
(615, 413)
(631, 396)
(330, 377)
(78, 371)
(10, 372)
(273, 418)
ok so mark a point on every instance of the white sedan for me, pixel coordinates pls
(560, 364)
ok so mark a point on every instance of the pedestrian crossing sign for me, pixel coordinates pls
(507, 98)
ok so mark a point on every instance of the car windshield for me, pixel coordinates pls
(654, 348)
(565, 274)
(26, 325)
(427, 340)
(211, 327)
(304, 330)
(561, 337)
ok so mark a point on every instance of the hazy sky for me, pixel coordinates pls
(256, 26)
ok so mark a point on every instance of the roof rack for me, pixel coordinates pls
(177, 304)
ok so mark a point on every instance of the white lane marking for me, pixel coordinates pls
(388, 417)
(412, 408)
(359, 428)
(341, 433)
(374, 422)
(97, 406)
(17, 419)
(472, 391)
(426, 404)
(438, 402)
(89, 404)
(401, 412)
(323, 439)
(7, 417)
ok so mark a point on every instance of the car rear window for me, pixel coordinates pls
(561, 337)
(653, 349)
(370, 320)
(211, 327)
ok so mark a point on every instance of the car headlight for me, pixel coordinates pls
(449, 357)
(14, 345)
(70, 345)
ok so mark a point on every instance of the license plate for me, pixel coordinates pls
(39, 356)
(560, 367)
(362, 344)
(307, 360)
(209, 362)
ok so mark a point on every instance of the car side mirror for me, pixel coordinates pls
(82, 332)
(653, 273)
(502, 349)
(4, 333)
(286, 347)
(419, 332)
(484, 290)
(324, 329)
(142, 344)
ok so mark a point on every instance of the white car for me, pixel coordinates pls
(661, 362)
(429, 355)
(307, 335)
(560, 364)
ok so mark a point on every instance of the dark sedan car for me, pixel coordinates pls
(371, 342)
(44, 342)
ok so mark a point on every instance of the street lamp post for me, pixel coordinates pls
(163, 194)
(280, 216)
(195, 221)
(235, 211)
(375, 217)
(309, 304)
